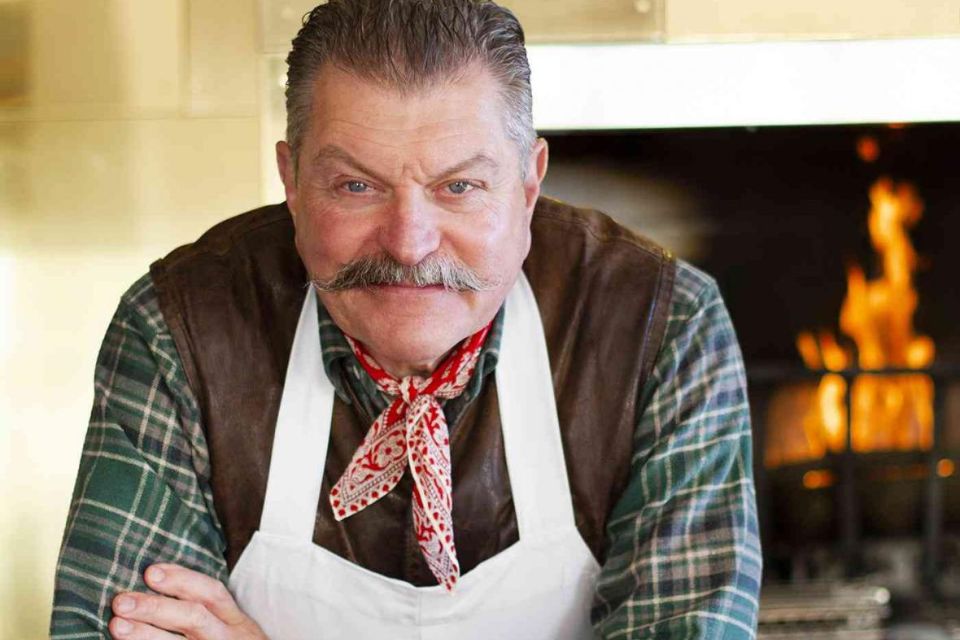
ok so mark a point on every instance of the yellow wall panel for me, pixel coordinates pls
(98, 58)
(223, 57)
(746, 20)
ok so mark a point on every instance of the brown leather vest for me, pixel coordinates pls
(232, 300)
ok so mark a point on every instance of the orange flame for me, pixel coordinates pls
(889, 411)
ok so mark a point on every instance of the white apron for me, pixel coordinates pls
(539, 588)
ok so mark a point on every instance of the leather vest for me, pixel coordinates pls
(232, 298)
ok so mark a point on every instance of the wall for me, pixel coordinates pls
(751, 20)
(126, 129)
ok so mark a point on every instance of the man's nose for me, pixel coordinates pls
(410, 230)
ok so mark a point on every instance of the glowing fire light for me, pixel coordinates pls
(818, 479)
(945, 468)
(890, 412)
(868, 149)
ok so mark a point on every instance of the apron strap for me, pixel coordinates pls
(302, 434)
(528, 413)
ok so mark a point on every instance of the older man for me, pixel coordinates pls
(492, 415)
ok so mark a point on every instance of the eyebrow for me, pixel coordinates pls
(334, 152)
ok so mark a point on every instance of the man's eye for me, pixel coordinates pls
(459, 187)
(355, 186)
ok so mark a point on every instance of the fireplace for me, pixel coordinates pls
(786, 219)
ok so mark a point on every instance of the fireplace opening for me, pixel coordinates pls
(832, 247)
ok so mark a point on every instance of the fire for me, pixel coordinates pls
(890, 412)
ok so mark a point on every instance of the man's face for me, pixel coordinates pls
(410, 177)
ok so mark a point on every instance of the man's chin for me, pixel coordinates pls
(404, 350)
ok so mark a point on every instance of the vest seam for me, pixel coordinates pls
(177, 326)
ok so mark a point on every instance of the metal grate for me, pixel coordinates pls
(847, 507)
(823, 611)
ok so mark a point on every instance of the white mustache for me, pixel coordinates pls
(371, 271)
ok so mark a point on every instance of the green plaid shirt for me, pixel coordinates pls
(684, 552)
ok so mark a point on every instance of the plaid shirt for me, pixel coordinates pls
(684, 552)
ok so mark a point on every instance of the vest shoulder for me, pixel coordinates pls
(595, 228)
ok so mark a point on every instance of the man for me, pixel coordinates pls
(492, 415)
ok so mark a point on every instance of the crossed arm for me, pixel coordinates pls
(142, 494)
(187, 603)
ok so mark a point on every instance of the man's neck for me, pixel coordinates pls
(400, 370)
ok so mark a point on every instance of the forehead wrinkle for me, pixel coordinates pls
(333, 152)
(428, 132)
(414, 167)
(475, 160)
(390, 111)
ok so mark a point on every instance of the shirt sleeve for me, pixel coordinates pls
(684, 556)
(142, 493)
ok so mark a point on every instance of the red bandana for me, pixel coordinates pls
(412, 430)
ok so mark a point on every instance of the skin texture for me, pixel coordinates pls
(192, 605)
(381, 173)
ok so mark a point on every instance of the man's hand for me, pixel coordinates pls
(194, 606)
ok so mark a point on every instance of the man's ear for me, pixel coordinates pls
(285, 164)
(536, 170)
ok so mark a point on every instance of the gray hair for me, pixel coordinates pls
(408, 46)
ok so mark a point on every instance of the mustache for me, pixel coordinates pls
(377, 270)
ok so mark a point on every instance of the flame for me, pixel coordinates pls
(889, 412)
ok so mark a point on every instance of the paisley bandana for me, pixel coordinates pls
(412, 432)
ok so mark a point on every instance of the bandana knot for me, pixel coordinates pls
(410, 388)
(412, 432)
